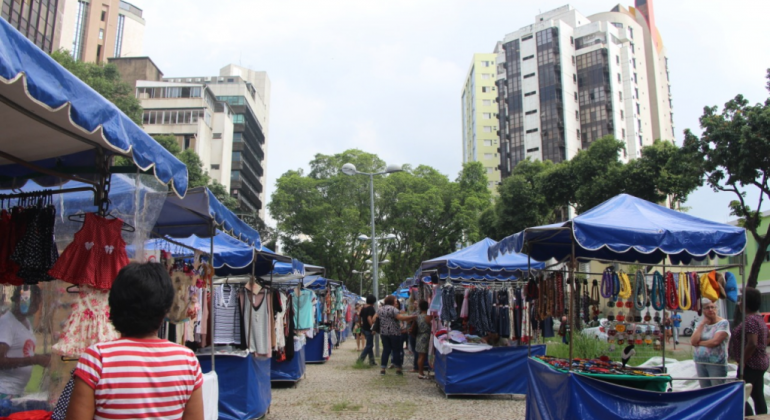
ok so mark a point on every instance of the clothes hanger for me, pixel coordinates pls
(81, 217)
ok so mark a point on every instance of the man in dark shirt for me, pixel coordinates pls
(367, 319)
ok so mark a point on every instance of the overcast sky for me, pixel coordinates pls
(386, 76)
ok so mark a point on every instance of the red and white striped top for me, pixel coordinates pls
(140, 378)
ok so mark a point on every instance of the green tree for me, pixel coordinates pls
(734, 151)
(105, 79)
(321, 214)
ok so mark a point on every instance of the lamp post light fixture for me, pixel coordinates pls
(350, 169)
(361, 280)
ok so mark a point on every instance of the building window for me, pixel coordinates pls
(490, 169)
(638, 112)
(486, 102)
(620, 95)
(617, 59)
(187, 142)
(636, 92)
(530, 93)
(572, 41)
(635, 80)
(619, 80)
(529, 57)
(621, 115)
(101, 33)
(526, 38)
(634, 62)
(215, 166)
(534, 130)
(577, 115)
(98, 53)
(217, 136)
(486, 89)
(485, 75)
(488, 156)
(534, 111)
(119, 35)
(631, 32)
(237, 156)
(534, 149)
(578, 133)
(576, 97)
(527, 76)
(574, 78)
(624, 134)
(488, 143)
(486, 115)
(235, 176)
(104, 15)
(237, 118)
(485, 64)
(487, 129)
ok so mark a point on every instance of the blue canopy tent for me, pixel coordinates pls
(624, 229)
(56, 127)
(472, 264)
(627, 229)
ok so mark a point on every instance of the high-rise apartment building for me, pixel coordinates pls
(39, 20)
(568, 79)
(96, 30)
(479, 113)
(224, 119)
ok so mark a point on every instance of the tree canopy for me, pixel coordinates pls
(734, 154)
(320, 215)
(538, 193)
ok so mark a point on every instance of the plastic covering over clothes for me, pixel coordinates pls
(628, 229)
(558, 395)
(288, 370)
(48, 106)
(245, 393)
(500, 370)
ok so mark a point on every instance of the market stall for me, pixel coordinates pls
(627, 229)
(477, 304)
(329, 301)
(245, 393)
(55, 128)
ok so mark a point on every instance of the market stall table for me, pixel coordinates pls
(493, 371)
(288, 370)
(246, 393)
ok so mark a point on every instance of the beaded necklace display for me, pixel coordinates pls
(542, 303)
(695, 290)
(586, 311)
(595, 299)
(672, 298)
(551, 295)
(559, 305)
(641, 299)
(685, 298)
(607, 283)
(625, 286)
(658, 292)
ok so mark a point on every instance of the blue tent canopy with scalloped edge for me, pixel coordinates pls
(51, 119)
(472, 264)
(627, 229)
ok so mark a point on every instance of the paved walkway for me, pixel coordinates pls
(337, 390)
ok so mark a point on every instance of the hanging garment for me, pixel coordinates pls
(280, 318)
(256, 317)
(448, 308)
(304, 311)
(464, 307)
(89, 323)
(184, 286)
(95, 255)
(16, 227)
(503, 321)
(290, 326)
(227, 318)
(36, 252)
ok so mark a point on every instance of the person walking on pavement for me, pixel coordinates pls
(676, 320)
(755, 358)
(390, 333)
(366, 317)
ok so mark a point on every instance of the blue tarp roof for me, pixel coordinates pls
(53, 119)
(628, 229)
(472, 263)
(193, 214)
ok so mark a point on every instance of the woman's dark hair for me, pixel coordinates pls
(140, 298)
(753, 299)
(370, 300)
(424, 305)
(390, 300)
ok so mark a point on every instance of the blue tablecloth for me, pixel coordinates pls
(244, 385)
(291, 370)
(314, 348)
(499, 370)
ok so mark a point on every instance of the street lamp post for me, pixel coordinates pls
(361, 280)
(350, 169)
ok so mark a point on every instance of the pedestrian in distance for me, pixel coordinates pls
(367, 316)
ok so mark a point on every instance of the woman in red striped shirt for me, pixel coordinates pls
(138, 376)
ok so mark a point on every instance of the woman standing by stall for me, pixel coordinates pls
(390, 332)
(754, 354)
(423, 338)
(709, 343)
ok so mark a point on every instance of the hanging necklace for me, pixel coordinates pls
(625, 286)
(586, 313)
(615, 287)
(658, 292)
(695, 290)
(607, 283)
(559, 295)
(672, 298)
(640, 292)
(685, 299)
(595, 299)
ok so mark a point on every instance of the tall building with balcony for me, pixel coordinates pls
(96, 30)
(568, 80)
(479, 116)
(38, 20)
